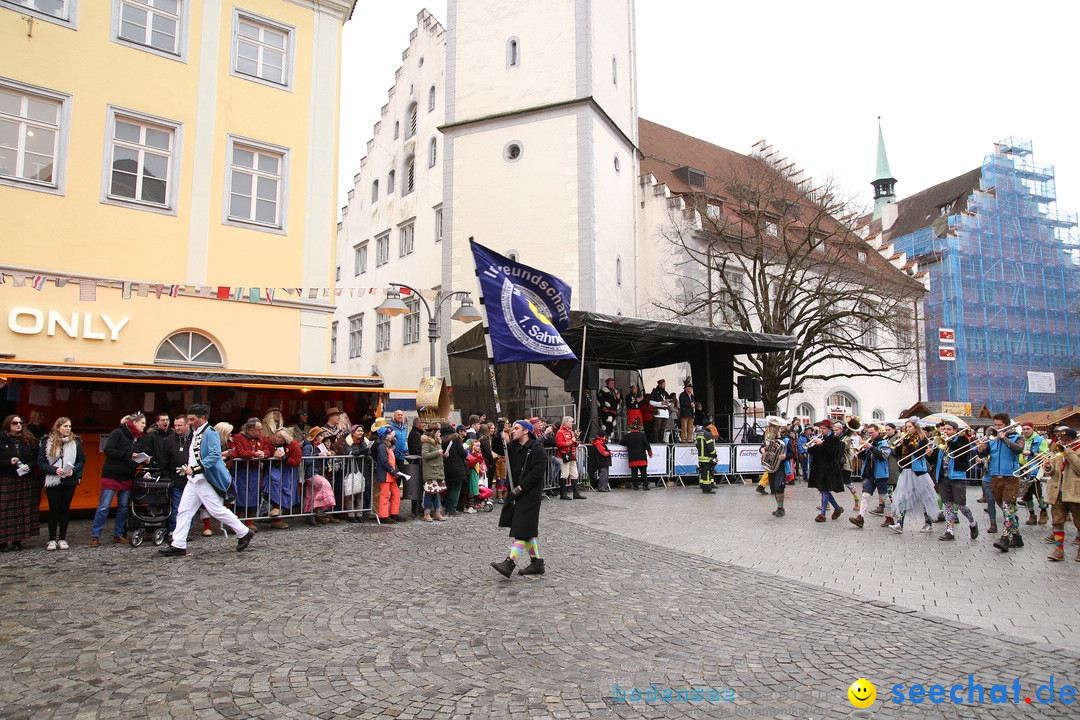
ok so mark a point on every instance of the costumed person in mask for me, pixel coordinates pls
(521, 513)
(207, 478)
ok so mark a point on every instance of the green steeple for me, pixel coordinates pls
(884, 183)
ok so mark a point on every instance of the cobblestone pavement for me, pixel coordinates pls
(409, 621)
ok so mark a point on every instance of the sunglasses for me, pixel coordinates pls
(16, 422)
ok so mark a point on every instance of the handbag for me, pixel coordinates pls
(353, 483)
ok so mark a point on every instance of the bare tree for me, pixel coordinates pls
(762, 253)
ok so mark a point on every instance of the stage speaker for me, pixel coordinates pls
(592, 377)
(749, 388)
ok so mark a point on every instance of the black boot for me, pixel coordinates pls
(536, 567)
(1017, 541)
(1002, 544)
(578, 495)
(564, 492)
(504, 568)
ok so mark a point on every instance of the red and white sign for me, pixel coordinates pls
(947, 353)
(946, 335)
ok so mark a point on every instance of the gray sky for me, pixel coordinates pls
(948, 79)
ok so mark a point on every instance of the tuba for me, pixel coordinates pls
(854, 423)
(773, 456)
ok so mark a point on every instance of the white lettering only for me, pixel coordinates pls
(16, 327)
(31, 321)
(114, 328)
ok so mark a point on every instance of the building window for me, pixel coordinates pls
(513, 151)
(805, 411)
(360, 259)
(408, 181)
(356, 335)
(410, 121)
(188, 348)
(262, 49)
(143, 160)
(405, 238)
(842, 405)
(375, 191)
(382, 333)
(431, 99)
(618, 271)
(333, 342)
(412, 322)
(438, 315)
(390, 178)
(869, 333)
(438, 225)
(382, 249)
(771, 228)
(862, 256)
(712, 211)
(397, 129)
(151, 24)
(433, 152)
(52, 10)
(513, 53)
(256, 183)
(878, 414)
(32, 125)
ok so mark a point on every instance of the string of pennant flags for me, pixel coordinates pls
(88, 289)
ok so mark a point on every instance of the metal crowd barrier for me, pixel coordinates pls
(262, 486)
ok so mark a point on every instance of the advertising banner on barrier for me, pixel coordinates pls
(723, 459)
(685, 459)
(748, 459)
(620, 463)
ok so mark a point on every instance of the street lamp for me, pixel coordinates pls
(393, 306)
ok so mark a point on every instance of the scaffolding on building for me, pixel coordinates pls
(1005, 276)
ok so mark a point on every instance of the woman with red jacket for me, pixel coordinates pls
(566, 440)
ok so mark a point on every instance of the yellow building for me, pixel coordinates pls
(151, 148)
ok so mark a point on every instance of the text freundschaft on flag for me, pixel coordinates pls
(526, 309)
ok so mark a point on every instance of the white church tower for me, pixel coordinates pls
(540, 143)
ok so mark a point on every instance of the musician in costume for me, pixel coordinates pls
(950, 465)
(1063, 489)
(706, 457)
(826, 474)
(633, 400)
(207, 480)
(609, 400)
(850, 460)
(1033, 443)
(1004, 448)
(874, 460)
(914, 488)
(776, 457)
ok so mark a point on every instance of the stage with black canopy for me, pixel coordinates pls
(617, 343)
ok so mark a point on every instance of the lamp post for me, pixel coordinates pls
(394, 306)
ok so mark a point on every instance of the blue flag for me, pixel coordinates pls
(526, 309)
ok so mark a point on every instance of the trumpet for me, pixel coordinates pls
(1055, 449)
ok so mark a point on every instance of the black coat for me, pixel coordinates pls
(153, 444)
(637, 446)
(454, 465)
(119, 448)
(49, 468)
(826, 474)
(176, 455)
(528, 467)
(413, 442)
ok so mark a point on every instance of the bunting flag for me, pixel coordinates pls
(18, 280)
(158, 289)
(144, 289)
(253, 295)
(313, 293)
(525, 308)
(174, 291)
(60, 281)
(39, 282)
(223, 292)
(87, 290)
(238, 294)
(269, 295)
(404, 291)
(125, 290)
(2, 280)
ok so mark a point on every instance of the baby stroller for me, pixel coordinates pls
(484, 501)
(150, 506)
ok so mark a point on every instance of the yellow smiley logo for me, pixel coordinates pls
(862, 693)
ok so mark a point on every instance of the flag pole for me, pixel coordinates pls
(494, 381)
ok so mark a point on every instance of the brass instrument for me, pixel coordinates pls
(854, 423)
(1055, 449)
(973, 440)
(937, 441)
(995, 433)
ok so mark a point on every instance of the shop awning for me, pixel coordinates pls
(157, 375)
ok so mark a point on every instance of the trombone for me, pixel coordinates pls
(937, 441)
(1045, 455)
(988, 435)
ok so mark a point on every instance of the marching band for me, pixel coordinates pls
(927, 474)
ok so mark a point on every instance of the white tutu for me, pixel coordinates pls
(914, 494)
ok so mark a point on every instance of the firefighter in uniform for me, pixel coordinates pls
(706, 456)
